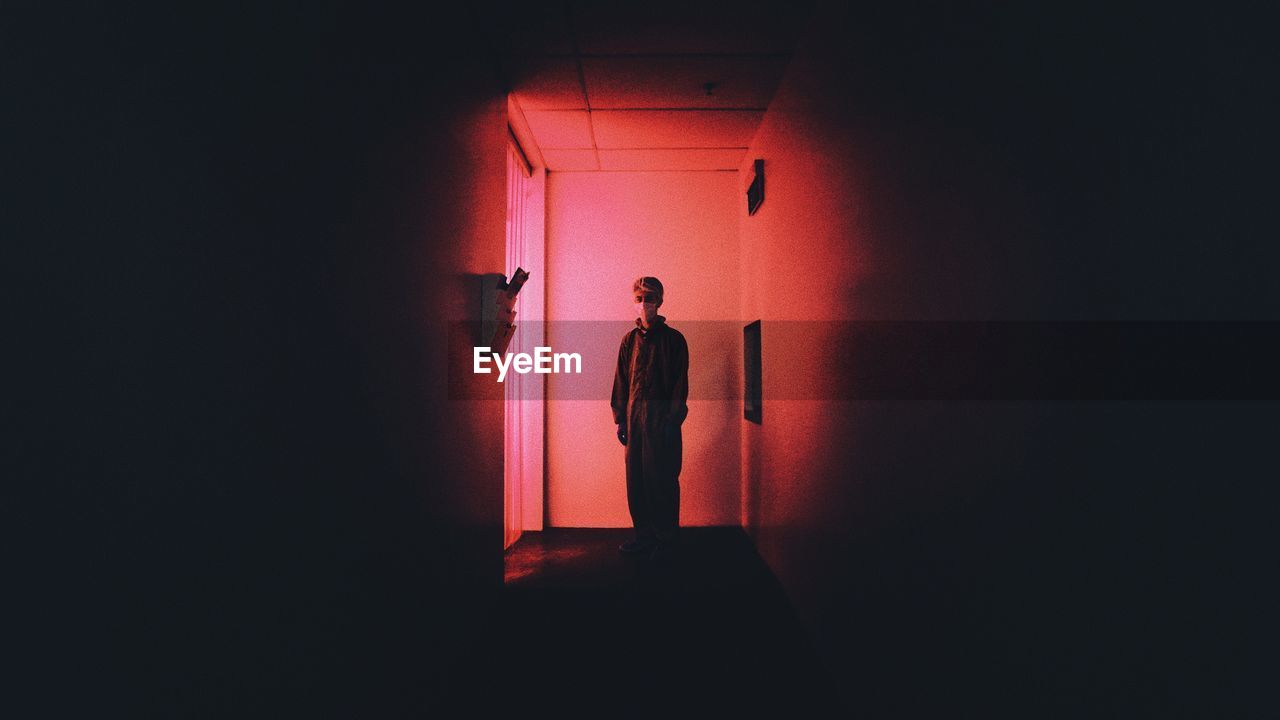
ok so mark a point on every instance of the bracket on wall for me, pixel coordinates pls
(500, 325)
(755, 191)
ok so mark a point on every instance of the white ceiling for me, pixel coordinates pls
(621, 89)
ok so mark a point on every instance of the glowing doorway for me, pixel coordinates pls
(524, 394)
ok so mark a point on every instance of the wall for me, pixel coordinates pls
(244, 235)
(603, 231)
(952, 545)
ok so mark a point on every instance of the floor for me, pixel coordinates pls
(588, 631)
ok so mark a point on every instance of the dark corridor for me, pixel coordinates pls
(244, 484)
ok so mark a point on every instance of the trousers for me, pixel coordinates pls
(653, 458)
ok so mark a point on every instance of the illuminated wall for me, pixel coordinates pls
(604, 230)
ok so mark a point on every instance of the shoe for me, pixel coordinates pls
(635, 547)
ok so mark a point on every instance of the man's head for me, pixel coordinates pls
(646, 293)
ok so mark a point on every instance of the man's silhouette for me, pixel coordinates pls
(650, 401)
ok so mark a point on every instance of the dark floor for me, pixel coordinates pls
(587, 631)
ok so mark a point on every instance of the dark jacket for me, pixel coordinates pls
(652, 380)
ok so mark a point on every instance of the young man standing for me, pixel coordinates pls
(650, 401)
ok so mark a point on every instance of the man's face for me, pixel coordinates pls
(646, 304)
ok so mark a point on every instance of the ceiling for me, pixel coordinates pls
(663, 86)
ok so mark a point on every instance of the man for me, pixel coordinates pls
(650, 401)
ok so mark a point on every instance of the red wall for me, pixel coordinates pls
(982, 553)
(603, 231)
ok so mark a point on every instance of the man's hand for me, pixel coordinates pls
(622, 434)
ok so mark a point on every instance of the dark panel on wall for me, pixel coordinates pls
(752, 402)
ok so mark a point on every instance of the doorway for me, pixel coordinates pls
(524, 395)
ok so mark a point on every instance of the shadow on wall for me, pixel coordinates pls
(1011, 163)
